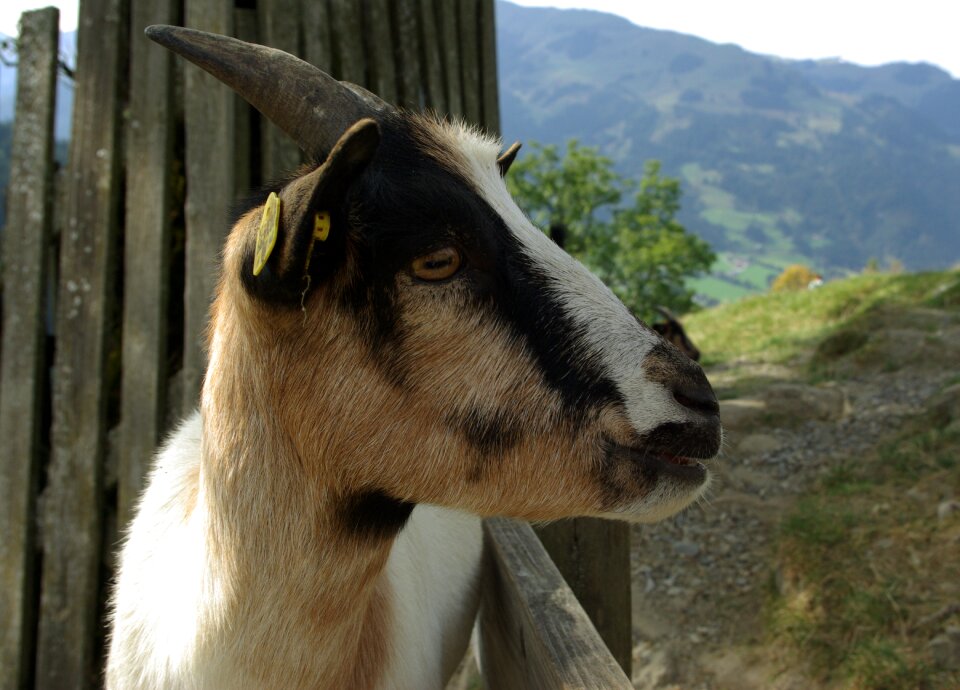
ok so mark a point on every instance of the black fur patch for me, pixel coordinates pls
(406, 205)
(487, 432)
(375, 515)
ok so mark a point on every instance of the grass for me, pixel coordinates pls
(862, 559)
(786, 327)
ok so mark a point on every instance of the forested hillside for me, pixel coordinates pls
(821, 162)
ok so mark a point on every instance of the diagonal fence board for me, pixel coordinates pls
(533, 632)
(73, 499)
(25, 261)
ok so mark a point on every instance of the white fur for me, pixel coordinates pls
(610, 330)
(165, 596)
(434, 571)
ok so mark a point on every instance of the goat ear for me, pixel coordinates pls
(301, 234)
(506, 160)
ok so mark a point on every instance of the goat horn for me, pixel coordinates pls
(312, 107)
(666, 313)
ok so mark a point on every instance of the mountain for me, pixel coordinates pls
(816, 161)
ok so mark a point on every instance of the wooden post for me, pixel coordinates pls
(209, 114)
(73, 500)
(594, 558)
(279, 28)
(449, 36)
(533, 633)
(407, 54)
(347, 23)
(380, 51)
(146, 263)
(435, 92)
(489, 92)
(25, 253)
(469, 51)
(317, 36)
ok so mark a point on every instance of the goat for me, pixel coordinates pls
(673, 332)
(402, 354)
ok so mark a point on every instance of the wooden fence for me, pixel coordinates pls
(106, 292)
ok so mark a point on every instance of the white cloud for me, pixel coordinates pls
(861, 31)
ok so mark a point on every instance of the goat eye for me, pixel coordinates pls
(437, 265)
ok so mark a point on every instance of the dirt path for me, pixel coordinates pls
(701, 579)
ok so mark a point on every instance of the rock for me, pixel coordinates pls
(686, 548)
(945, 649)
(742, 413)
(944, 408)
(652, 668)
(946, 509)
(758, 444)
(791, 404)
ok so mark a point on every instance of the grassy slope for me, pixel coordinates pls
(863, 561)
(782, 328)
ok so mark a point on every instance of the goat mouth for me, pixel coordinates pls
(651, 463)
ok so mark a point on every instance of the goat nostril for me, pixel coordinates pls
(698, 399)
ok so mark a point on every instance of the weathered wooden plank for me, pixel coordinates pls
(279, 27)
(317, 38)
(380, 51)
(489, 93)
(347, 23)
(407, 53)
(434, 90)
(25, 248)
(470, 59)
(533, 633)
(244, 118)
(449, 33)
(73, 501)
(209, 114)
(146, 252)
(594, 558)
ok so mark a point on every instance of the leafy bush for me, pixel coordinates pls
(638, 249)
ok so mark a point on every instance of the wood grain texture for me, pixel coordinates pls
(209, 115)
(244, 115)
(431, 57)
(533, 633)
(25, 255)
(279, 27)
(147, 229)
(449, 26)
(407, 54)
(317, 36)
(73, 500)
(346, 20)
(381, 50)
(489, 91)
(594, 558)
(470, 60)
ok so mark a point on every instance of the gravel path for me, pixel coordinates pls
(700, 579)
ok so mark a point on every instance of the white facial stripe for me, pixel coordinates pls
(620, 343)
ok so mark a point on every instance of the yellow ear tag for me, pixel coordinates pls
(267, 234)
(321, 226)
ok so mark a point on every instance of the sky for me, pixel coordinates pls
(867, 32)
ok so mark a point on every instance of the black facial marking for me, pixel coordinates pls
(688, 439)
(407, 204)
(375, 515)
(490, 434)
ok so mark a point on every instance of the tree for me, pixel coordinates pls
(795, 277)
(639, 250)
